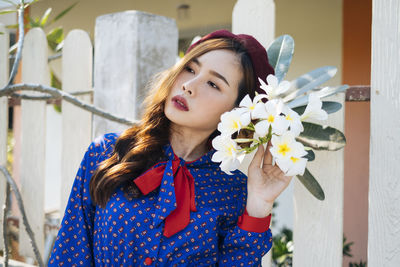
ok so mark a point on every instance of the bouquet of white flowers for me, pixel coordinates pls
(281, 120)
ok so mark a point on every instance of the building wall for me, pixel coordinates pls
(201, 17)
(357, 71)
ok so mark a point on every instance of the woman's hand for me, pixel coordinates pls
(264, 184)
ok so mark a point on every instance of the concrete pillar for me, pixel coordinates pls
(130, 47)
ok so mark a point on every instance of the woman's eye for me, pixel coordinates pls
(189, 69)
(213, 85)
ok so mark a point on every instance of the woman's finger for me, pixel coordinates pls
(256, 162)
(268, 155)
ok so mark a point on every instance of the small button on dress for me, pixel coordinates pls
(148, 261)
(190, 214)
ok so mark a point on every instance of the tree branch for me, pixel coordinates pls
(55, 93)
(20, 203)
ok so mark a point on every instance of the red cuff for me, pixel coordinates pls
(254, 224)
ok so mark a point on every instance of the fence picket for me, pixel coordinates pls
(4, 69)
(318, 225)
(384, 154)
(33, 140)
(257, 19)
(77, 65)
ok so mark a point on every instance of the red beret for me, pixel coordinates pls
(257, 53)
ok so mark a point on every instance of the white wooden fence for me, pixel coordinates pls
(122, 64)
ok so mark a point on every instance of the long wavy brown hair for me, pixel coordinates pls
(140, 147)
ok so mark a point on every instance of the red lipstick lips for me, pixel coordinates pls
(180, 103)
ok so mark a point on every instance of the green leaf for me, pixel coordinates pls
(312, 185)
(328, 106)
(324, 92)
(309, 81)
(30, 3)
(59, 46)
(7, 11)
(34, 22)
(64, 12)
(45, 17)
(321, 137)
(280, 54)
(13, 48)
(55, 37)
(310, 155)
(12, 26)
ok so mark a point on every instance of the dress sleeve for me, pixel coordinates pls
(74, 242)
(245, 241)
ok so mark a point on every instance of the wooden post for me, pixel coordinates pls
(33, 140)
(77, 63)
(384, 181)
(256, 18)
(4, 69)
(130, 47)
(318, 225)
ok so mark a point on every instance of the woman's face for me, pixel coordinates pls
(208, 86)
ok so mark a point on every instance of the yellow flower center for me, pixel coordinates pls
(231, 149)
(235, 125)
(283, 149)
(252, 107)
(270, 118)
(289, 118)
(294, 159)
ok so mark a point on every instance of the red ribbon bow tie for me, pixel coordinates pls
(176, 195)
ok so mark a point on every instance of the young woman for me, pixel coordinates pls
(152, 196)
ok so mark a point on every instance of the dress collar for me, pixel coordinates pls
(176, 196)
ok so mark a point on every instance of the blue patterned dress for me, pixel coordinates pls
(129, 231)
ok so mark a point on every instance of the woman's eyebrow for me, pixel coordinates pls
(216, 74)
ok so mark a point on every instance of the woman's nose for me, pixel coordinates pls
(184, 87)
(189, 86)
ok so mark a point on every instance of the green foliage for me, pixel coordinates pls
(346, 247)
(321, 137)
(54, 36)
(280, 54)
(314, 136)
(347, 253)
(328, 106)
(282, 249)
(10, 149)
(310, 154)
(312, 185)
(361, 264)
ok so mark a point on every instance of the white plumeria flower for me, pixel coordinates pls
(314, 109)
(286, 146)
(296, 127)
(270, 115)
(274, 88)
(228, 153)
(248, 106)
(293, 162)
(293, 166)
(230, 122)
